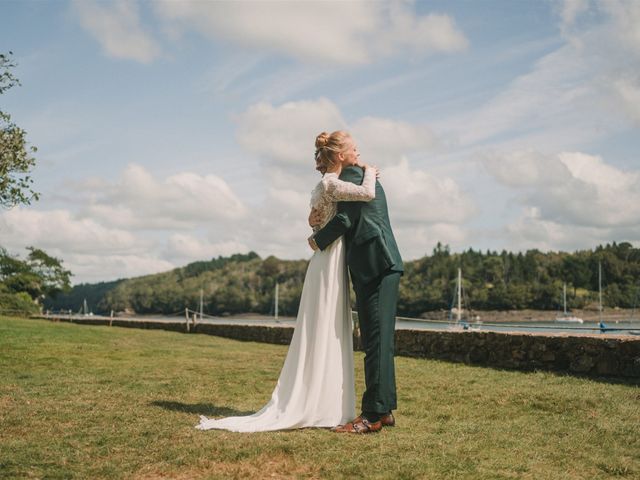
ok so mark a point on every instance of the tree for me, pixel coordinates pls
(15, 154)
(38, 276)
(53, 277)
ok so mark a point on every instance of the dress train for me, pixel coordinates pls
(316, 384)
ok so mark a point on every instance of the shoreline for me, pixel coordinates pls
(506, 316)
(490, 316)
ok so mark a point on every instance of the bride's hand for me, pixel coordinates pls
(373, 167)
(364, 166)
(312, 243)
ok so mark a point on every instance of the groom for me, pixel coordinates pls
(375, 265)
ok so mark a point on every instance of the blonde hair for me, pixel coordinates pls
(328, 146)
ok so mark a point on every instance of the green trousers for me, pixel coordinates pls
(376, 305)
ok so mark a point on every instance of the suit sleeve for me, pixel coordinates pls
(346, 216)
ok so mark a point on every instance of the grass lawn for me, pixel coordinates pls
(99, 402)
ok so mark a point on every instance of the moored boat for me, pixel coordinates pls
(566, 317)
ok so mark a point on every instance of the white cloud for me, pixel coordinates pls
(94, 235)
(571, 189)
(279, 225)
(117, 28)
(420, 34)
(183, 248)
(59, 229)
(92, 251)
(417, 241)
(552, 95)
(417, 197)
(289, 201)
(526, 169)
(571, 9)
(282, 235)
(355, 32)
(95, 252)
(530, 231)
(583, 91)
(627, 90)
(383, 141)
(610, 197)
(626, 21)
(296, 28)
(287, 133)
(140, 201)
(89, 268)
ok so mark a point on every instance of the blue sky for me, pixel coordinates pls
(170, 132)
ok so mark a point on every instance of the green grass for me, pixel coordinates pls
(99, 402)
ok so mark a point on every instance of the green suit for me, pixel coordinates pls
(375, 266)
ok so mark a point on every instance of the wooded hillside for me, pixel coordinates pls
(491, 281)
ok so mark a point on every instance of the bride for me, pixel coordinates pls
(316, 384)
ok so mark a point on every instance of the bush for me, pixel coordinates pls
(17, 304)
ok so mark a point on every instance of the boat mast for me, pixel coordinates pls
(600, 290)
(459, 310)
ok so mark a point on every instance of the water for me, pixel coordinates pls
(620, 328)
(626, 327)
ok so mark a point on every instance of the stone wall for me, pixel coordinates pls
(595, 355)
(602, 355)
(279, 335)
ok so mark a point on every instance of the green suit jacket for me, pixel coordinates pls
(371, 246)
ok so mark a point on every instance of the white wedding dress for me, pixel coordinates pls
(316, 384)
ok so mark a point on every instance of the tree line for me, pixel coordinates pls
(491, 281)
(523, 280)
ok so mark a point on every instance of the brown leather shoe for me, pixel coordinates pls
(359, 425)
(388, 420)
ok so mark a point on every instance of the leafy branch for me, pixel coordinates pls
(16, 160)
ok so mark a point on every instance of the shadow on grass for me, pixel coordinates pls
(206, 409)
(628, 381)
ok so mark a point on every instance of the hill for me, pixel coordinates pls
(492, 281)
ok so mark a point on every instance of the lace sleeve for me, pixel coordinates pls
(341, 191)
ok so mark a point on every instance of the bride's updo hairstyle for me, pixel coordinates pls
(328, 146)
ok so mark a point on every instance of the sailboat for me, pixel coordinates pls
(633, 312)
(601, 325)
(85, 309)
(275, 305)
(565, 316)
(460, 324)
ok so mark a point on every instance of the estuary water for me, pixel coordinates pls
(629, 327)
